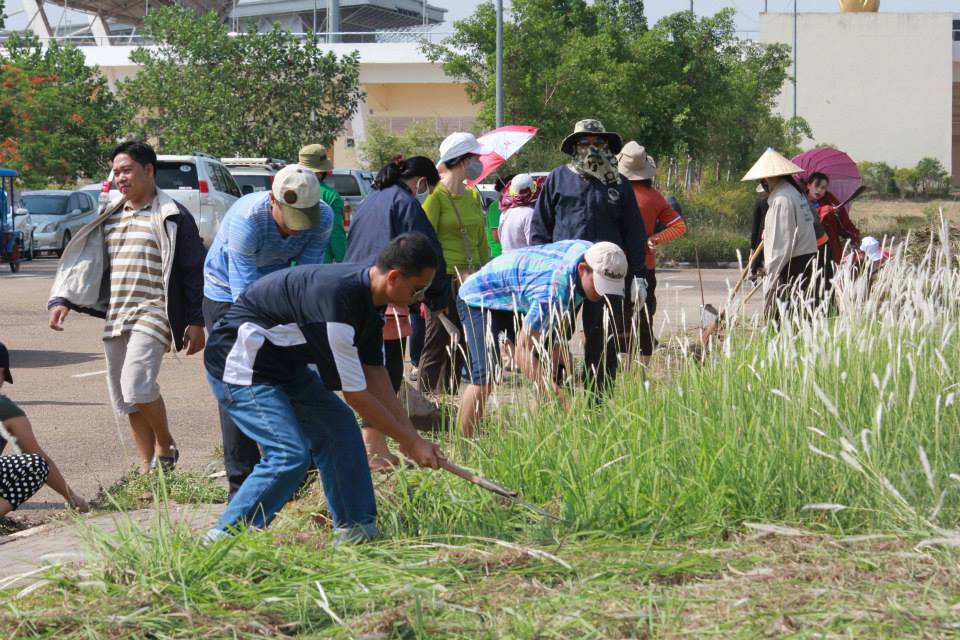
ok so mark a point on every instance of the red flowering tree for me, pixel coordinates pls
(58, 118)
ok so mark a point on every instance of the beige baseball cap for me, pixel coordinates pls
(609, 265)
(315, 158)
(297, 191)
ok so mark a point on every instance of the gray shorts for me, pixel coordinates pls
(133, 363)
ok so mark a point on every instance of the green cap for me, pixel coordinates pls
(314, 157)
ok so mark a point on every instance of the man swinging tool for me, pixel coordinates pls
(257, 365)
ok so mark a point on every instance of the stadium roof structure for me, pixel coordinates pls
(133, 11)
(356, 17)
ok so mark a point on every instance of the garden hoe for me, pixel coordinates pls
(493, 487)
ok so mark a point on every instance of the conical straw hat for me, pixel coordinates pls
(771, 164)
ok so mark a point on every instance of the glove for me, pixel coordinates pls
(638, 292)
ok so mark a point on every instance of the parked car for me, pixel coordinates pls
(23, 221)
(353, 185)
(199, 182)
(57, 215)
(253, 174)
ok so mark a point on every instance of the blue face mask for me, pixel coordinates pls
(422, 197)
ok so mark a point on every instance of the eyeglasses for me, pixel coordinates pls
(419, 293)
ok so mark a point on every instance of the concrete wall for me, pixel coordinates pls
(402, 86)
(878, 85)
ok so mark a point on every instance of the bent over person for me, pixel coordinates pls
(261, 233)
(546, 284)
(139, 264)
(257, 365)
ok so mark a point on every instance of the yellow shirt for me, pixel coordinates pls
(460, 249)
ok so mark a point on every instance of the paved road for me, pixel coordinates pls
(60, 379)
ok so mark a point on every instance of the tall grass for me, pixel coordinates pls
(845, 422)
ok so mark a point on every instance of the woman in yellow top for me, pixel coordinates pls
(456, 212)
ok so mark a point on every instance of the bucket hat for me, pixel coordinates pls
(634, 163)
(590, 127)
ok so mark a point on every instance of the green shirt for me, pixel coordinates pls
(338, 235)
(493, 222)
(441, 214)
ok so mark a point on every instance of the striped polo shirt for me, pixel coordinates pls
(137, 301)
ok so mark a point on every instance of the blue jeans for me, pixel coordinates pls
(290, 422)
(481, 330)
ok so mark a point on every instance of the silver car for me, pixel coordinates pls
(57, 216)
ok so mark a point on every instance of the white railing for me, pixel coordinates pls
(343, 37)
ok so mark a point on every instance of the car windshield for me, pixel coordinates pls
(344, 184)
(251, 183)
(45, 205)
(176, 175)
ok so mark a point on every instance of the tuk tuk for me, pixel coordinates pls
(11, 240)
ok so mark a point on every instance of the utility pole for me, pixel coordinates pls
(691, 6)
(795, 79)
(499, 80)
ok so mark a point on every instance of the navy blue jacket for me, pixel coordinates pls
(572, 207)
(382, 217)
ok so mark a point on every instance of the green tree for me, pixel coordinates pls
(382, 144)
(685, 87)
(58, 118)
(3, 16)
(201, 89)
(932, 178)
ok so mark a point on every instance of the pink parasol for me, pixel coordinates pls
(838, 166)
(505, 142)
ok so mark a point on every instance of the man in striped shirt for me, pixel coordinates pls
(546, 284)
(139, 265)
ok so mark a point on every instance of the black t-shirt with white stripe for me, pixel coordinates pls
(321, 314)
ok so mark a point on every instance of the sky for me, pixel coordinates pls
(747, 10)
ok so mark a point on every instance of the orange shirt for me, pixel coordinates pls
(654, 208)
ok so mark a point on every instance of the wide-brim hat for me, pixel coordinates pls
(634, 163)
(315, 158)
(769, 165)
(591, 127)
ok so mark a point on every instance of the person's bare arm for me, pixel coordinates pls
(380, 408)
(20, 429)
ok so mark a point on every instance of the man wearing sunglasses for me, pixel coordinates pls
(257, 363)
(588, 199)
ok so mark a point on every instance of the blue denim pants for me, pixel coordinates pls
(292, 422)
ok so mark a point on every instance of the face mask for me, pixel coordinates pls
(422, 196)
(598, 162)
(473, 169)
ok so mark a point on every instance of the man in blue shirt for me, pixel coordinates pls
(257, 363)
(261, 233)
(546, 284)
(588, 199)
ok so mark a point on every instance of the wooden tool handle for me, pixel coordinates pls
(477, 480)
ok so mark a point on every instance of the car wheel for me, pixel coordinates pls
(63, 245)
(15, 266)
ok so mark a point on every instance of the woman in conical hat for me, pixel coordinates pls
(789, 239)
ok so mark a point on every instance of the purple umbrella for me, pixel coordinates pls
(838, 166)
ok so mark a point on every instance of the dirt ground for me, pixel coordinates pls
(60, 381)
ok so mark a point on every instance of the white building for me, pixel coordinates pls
(881, 86)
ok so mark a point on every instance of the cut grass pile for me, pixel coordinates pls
(139, 491)
(842, 425)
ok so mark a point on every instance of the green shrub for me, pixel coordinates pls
(717, 206)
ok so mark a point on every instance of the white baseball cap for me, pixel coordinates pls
(609, 265)
(460, 144)
(297, 191)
